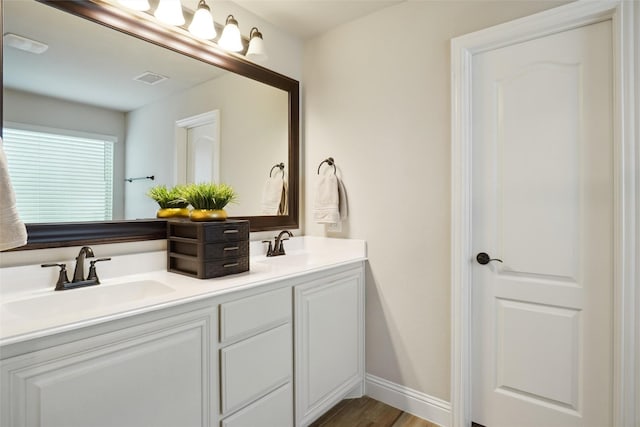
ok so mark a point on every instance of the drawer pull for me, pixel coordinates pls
(235, 230)
(232, 248)
(235, 264)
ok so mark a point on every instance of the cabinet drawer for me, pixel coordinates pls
(212, 232)
(251, 315)
(253, 367)
(202, 269)
(230, 232)
(209, 251)
(273, 410)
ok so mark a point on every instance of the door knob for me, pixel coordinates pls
(484, 258)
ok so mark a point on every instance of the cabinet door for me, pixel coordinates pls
(155, 374)
(329, 332)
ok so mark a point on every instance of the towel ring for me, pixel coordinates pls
(330, 162)
(279, 166)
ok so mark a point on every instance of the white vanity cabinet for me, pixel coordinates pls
(329, 333)
(150, 371)
(278, 354)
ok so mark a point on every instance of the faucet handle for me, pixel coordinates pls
(270, 248)
(93, 275)
(63, 279)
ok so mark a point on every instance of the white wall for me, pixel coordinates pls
(253, 137)
(377, 99)
(29, 108)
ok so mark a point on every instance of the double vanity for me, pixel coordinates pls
(276, 346)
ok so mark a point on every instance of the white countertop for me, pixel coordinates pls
(30, 308)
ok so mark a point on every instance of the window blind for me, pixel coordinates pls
(60, 178)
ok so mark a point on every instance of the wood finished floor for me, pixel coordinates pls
(367, 412)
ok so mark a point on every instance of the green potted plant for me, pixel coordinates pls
(170, 200)
(208, 200)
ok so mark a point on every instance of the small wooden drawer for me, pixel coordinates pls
(203, 269)
(254, 367)
(208, 251)
(273, 410)
(254, 314)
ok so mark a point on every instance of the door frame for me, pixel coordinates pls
(625, 18)
(182, 127)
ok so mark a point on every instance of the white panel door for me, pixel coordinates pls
(203, 154)
(542, 178)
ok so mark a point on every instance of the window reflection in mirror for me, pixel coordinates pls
(85, 84)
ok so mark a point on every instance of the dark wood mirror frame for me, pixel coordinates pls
(82, 233)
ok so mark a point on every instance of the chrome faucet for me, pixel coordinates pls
(78, 273)
(278, 246)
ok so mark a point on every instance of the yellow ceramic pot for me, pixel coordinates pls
(208, 215)
(172, 213)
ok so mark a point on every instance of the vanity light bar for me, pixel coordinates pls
(202, 25)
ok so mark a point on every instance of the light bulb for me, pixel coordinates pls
(256, 50)
(202, 23)
(230, 38)
(170, 12)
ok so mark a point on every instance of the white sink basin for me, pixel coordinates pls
(86, 299)
(290, 259)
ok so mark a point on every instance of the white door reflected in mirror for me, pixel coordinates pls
(203, 157)
(198, 143)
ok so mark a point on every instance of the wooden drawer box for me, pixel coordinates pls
(208, 249)
(210, 232)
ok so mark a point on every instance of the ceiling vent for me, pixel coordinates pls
(150, 78)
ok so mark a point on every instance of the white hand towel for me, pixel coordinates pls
(342, 205)
(326, 208)
(272, 195)
(13, 233)
(283, 207)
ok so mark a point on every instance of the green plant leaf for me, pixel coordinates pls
(168, 198)
(208, 195)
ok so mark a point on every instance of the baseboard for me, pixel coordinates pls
(414, 402)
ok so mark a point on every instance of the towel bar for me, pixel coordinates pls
(330, 162)
(152, 177)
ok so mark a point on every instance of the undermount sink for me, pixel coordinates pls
(86, 299)
(291, 259)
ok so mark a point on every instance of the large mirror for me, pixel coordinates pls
(232, 122)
